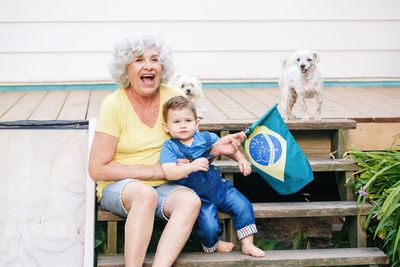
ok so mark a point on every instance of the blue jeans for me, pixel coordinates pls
(111, 197)
(219, 196)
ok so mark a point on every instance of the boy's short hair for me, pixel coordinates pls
(178, 102)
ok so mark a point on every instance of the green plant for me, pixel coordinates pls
(267, 244)
(378, 182)
(100, 238)
(300, 241)
(341, 238)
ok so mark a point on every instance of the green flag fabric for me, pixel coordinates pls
(275, 155)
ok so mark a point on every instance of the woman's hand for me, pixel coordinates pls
(244, 166)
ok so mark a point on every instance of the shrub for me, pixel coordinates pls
(378, 182)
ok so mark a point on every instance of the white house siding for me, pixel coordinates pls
(71, 41)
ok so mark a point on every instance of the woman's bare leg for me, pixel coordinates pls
(182, 208)
(140, 201)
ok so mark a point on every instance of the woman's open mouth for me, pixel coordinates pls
(148, 79)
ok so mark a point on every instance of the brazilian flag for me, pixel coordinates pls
(275, 154)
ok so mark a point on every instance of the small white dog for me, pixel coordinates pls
(194, 91)
(301, 79)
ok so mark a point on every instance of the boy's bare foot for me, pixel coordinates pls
(252, 250)
(248, 247)
(224, 246)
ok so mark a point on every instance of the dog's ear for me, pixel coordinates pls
(286, 63)
(294, 57)
(177, 79)
(315, 54)
(199, 87)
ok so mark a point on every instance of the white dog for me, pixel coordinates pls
(194, 91)
(301, 79)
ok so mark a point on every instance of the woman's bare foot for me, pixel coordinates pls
(252, 250)
(224, 246)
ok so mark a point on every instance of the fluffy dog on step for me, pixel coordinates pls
(193, 89)
(301, 80)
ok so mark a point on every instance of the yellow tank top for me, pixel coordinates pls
(137, 143)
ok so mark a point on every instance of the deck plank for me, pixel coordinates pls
(51, 106)
(251, 104)
(96, 98)
(378, 96)
(228, 106)
(378, 109)
(25, 106)
(8, 100)
(264, 95)
(353, 111)
(212, 111)
(390, 91)
(75, 106)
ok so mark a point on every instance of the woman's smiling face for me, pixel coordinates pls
(144, 72)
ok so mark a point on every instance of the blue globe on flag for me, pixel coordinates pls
(265, 149)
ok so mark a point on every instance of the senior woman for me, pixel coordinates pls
(124, 158)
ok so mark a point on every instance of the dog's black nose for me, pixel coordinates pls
(188, 91)
(302, 66)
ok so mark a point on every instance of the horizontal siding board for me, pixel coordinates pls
(61, 41)
(57, 67)
(92, 10)
(204, 36)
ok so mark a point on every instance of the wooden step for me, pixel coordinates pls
(316, 139)
(311, 257)
(283, 210)
(239, 125)
(305, 209)
(317, 165)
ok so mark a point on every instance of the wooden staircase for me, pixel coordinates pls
(323, 144)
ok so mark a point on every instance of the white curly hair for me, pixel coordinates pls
(123, 56)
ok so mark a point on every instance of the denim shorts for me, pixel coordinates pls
(111, 197)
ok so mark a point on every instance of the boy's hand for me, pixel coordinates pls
(244, 166)
(200, 164)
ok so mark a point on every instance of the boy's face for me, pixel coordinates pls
(181, 124)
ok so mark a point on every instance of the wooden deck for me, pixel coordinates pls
(378, 106)
(223, 105)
